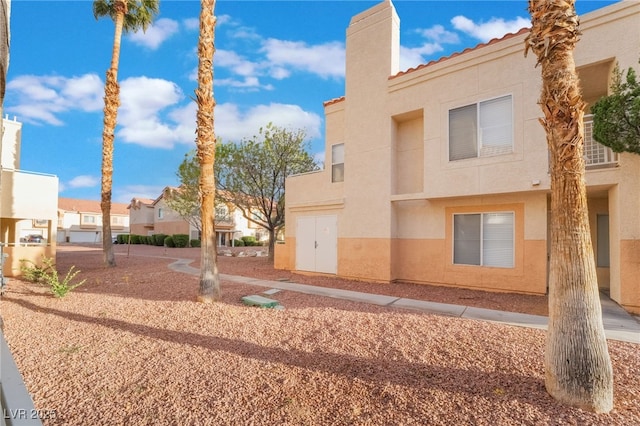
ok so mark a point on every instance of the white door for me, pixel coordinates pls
(317, 244)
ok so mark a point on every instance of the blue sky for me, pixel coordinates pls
(276, 61)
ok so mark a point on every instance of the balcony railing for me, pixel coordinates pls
(596, 155)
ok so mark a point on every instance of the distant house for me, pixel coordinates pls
(440, 174)
(80, 221)
(28, 203)
(148, 217)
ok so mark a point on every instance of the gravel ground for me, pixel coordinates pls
(131, 347)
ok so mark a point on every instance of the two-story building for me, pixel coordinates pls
(148, 217)
(28, 203)
(440, 174)
(80, 221)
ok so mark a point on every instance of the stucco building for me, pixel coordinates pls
(80, 221)
(440, 174)
(148, 217)
(28, 202)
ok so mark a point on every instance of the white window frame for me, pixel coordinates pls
(89, 219)
(488, 141)
(337, 163)
(482, 240)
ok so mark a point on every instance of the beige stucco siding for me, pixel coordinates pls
(395, 207)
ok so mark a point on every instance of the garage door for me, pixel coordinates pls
(317, 244)
(91, 237)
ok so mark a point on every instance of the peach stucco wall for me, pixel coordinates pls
(629, 273)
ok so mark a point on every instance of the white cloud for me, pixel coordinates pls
(438, 34)
(142, 101)
(83, 181)
(42, 99)
(494, 28)
(156, 34)
(413, 56)
(234, 125)
(233, 61)
(193, 23)
(326, 60)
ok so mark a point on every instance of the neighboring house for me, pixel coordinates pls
(80, 221)
(440, 174)
(28, 203)
(150, 217)
(141, 215)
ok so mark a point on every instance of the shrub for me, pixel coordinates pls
(249, 240)
(32, 272)
(238, 243)
(168, 241)
(135, 239)
(158, 239)
(48, 275)
(194, 243)
(123, 238)
(180, 240)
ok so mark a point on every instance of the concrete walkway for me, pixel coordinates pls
(618, 323)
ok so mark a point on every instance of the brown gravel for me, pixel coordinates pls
(131, 347)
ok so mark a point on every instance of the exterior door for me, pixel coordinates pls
(317, 244)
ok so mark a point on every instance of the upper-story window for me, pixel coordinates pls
(337, 163)
(117, 220)
(160, 213)
(481, 129)
(88, 219)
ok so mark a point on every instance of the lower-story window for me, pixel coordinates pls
(484, 239)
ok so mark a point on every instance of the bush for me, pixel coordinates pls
(158, 239)
(48, 275)
(123, 238)
(249, 240)
(238, 243)
(32, 272)
(181, 240)
(194, 243)
(168, 241)
(135, 239)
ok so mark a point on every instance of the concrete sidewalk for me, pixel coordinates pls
(618, 323)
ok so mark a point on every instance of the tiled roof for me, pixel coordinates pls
(89, 206)
(444, 58)
(467, 50)
(333, 101)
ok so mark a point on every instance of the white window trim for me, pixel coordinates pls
(334, 163)
(479, 147)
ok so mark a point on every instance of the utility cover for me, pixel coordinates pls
(256, 300)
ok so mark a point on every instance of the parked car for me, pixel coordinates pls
(34, 238)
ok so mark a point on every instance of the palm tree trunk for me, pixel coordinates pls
(578, 369)
(205, 142)
(111, 104)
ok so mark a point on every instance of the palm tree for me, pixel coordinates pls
(5, 9)
(577, 365)
(206, 148)
(128, 16)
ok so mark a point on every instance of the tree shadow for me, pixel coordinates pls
(421, 377)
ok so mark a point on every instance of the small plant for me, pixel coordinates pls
(32, 272)
(48, 275)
